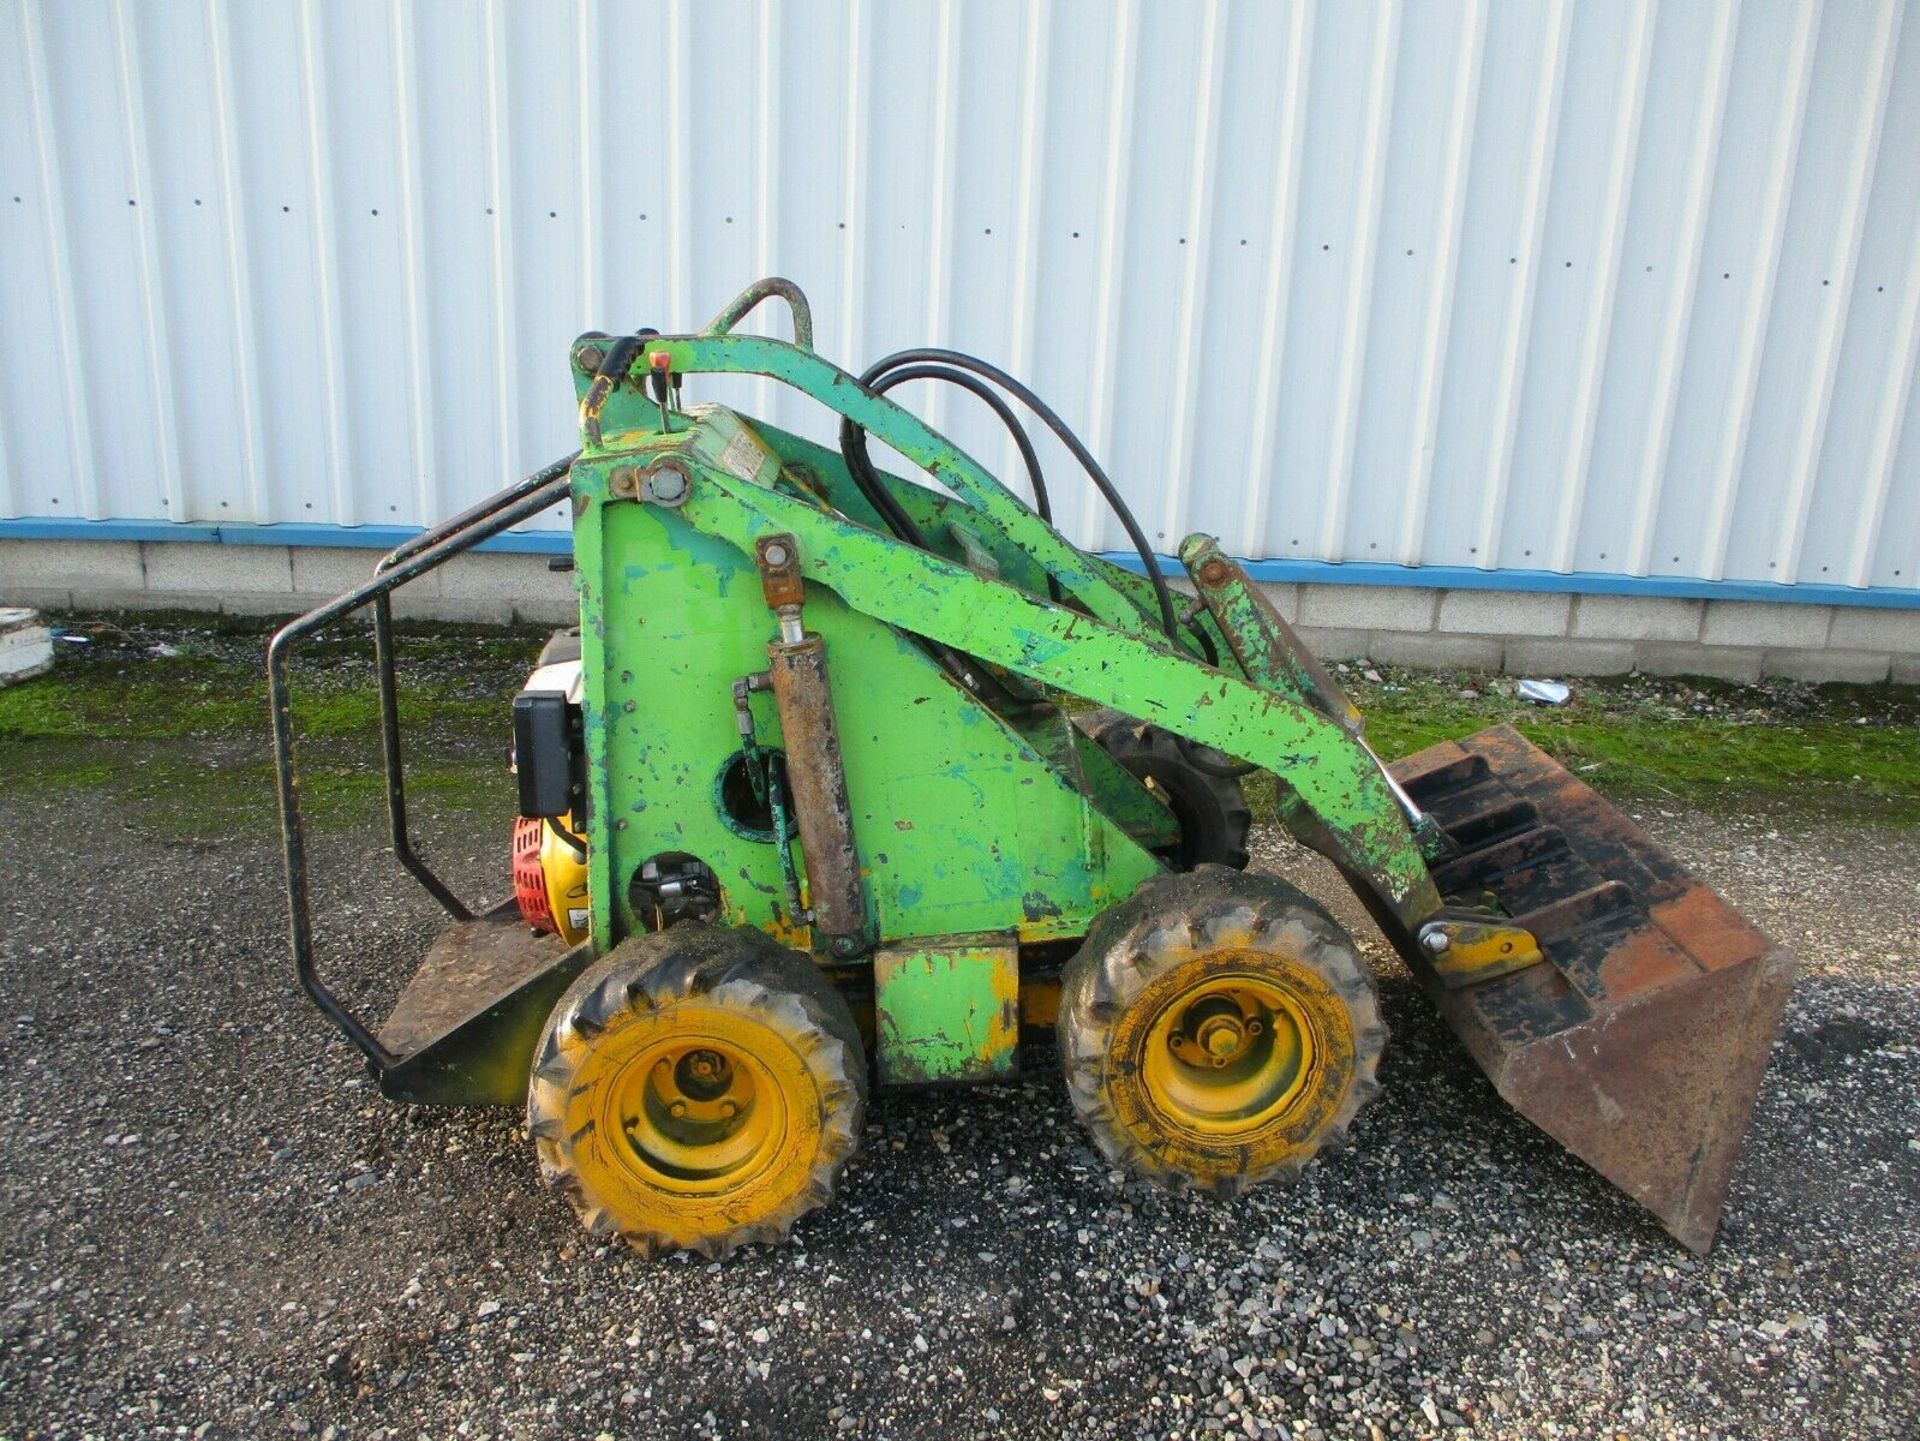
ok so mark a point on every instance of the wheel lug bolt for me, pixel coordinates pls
(1221, 1039)
(678, 1109)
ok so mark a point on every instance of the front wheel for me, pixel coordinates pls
(696, 1089)
(1217, 1030)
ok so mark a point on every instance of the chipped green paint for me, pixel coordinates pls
(1263, 644)
(947, 1009)
(957, 813)
(987, 830)
(994, 505)
(1336, 780)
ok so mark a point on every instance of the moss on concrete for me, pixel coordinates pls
(173, 720)
(174, 717)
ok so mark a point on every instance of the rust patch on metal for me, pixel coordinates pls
(1712, 932)
(1641, 1045)
(818, 778)
(1643, 961)
(779, 561)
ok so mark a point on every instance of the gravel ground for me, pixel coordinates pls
(212, 1225)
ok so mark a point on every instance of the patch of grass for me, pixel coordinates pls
(173, 722)
(185, 696)
(117, 712)
(187, 795)
(452, 785)
(1701, 743)
(135, 700)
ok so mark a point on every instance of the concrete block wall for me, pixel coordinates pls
(1542, 633)
(487, 587)
(1539, 633)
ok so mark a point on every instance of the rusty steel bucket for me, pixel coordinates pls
(1640, 1041)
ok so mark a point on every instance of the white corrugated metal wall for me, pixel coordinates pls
(1600, 287)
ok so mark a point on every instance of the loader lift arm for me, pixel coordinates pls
(920, 592)
(1115, 654)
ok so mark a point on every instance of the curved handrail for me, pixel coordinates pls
(383, 655)
(479, 510)
(737, 309)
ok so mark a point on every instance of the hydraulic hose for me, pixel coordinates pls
(934, 355)
(1042, 506)
(853, 451)
(853, 440)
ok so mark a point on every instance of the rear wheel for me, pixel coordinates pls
(696, 1089)
(1210, 807)
(1217, 1030)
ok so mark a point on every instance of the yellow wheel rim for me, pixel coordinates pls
(1225, 1057)
(1232, 1063)
(697, 1090)
(693, 1121)
(695, 1115)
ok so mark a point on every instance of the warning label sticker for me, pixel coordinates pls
(743, 456)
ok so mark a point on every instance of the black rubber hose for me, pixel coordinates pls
(575, 843)
(854, 439)
(974, 386)
(1207, 647)
(853, 452)
(1168, 619)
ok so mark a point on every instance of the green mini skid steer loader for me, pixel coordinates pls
(804, 808)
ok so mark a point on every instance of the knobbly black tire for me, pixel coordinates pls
(636, 991)
(1211, 809)
(1188, 926)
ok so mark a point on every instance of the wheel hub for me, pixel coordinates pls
(696, 1116)
(1228, 1055)
(704, 1075)
(1221, 1037)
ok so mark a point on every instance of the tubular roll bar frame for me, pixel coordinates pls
(429, 550)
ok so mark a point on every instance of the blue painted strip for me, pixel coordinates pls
(357, 537)
(1316, 572)
(1463, 577)
(1460, 577)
